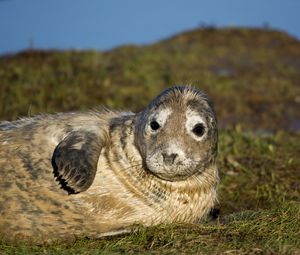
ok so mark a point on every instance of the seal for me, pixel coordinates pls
(99, 172)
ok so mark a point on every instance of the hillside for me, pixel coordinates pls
(253, 78)
(252, 75)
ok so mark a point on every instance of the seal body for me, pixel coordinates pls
(99, 172)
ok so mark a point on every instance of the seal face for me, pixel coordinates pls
(99, 172)
(177, 134)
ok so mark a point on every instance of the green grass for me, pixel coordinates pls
(259, 201)
(273, 231)
(253, 77)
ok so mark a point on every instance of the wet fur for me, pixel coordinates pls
(43, 198)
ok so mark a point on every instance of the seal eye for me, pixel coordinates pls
(199, 129)
(154, 125)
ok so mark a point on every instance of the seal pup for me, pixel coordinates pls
(99, 172)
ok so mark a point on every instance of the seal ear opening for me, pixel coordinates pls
(75, 159)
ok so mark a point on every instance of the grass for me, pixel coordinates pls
(259, 202)
(255, 90)
(261, 232)
(251, 74)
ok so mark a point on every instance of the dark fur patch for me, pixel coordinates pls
(214, 213)
(75, 168)
(28, 164)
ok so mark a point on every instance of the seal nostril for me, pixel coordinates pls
(169, 158)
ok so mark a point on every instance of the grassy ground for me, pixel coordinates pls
(259, 202)
(253, 78)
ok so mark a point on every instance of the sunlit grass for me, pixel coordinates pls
(251, 75)
(259, 202)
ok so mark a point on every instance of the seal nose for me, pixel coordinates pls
(169, 158)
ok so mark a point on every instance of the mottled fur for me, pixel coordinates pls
(84, 174)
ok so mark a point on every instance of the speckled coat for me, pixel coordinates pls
(83, 174)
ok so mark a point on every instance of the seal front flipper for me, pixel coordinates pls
(75, 160)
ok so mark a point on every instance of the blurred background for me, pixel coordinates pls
(69, 55)
(102, 25)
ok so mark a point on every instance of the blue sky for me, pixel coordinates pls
(104, 24)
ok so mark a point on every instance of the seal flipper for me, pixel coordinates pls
(75, 161)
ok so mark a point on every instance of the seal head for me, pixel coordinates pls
(177, 134)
